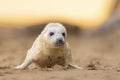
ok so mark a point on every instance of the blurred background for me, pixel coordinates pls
(93, 29)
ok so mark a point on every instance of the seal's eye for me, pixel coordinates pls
(51, 33)
(63, 34)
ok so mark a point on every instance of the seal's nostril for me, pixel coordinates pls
(60, 41)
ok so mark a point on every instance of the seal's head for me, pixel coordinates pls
(54, 34)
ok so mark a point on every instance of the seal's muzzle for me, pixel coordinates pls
(59, 42)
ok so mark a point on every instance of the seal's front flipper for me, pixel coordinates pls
(74, 66)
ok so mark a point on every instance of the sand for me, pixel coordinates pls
(98, 54)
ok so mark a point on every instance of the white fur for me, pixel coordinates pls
(44, 50)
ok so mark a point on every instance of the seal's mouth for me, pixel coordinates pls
(58, 45)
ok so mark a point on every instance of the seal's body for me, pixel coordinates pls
(50, 48)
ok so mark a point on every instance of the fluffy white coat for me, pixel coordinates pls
(50, 48)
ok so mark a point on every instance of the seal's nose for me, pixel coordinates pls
(59, 41)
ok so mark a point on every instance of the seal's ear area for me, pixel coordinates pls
(65, 33)
(47, 27)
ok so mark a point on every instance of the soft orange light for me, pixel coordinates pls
(82, 13)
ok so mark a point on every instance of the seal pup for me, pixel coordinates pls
(50, 48)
